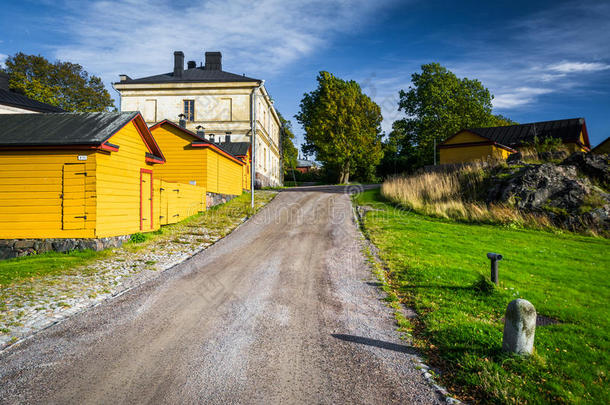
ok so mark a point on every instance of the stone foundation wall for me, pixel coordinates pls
(213, 199)
(10, 248)
(261, 181)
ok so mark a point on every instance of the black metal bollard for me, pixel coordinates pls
(494, 257)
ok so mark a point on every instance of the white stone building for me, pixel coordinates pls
(214, 102)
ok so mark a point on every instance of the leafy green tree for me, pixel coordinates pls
(399, 151)
(437, 105)
(63, 84)
(290, 153)
(342, 127)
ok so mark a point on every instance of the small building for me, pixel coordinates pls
(305, 166)
(240, 150)
(76, 175)
(603, 147)
(15, 103)
(493, 143)
(192, 159)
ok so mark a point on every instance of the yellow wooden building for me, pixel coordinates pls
(603, 148)
(240, 150)
(77, 175)
(493, 143)
(194, 160)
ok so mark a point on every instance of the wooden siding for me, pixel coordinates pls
(204, 166)
(184, 164)
(31, 188)
(471, 154)
(246, 182)
(175, 202)
(118, 184)
(464, 137)
(224, 176)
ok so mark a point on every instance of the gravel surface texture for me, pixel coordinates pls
(283, 310)
(32, 305)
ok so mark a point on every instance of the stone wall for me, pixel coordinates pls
(213, 199)
(262, 181)
(10, 248)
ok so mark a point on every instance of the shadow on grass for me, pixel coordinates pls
(375, 343)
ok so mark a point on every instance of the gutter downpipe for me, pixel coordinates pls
(253, 159)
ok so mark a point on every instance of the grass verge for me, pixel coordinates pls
(437, 267)
(217, 219)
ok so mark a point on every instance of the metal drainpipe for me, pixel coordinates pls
(253, 168)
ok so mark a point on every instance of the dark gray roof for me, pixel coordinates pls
(92, 128)
(235, 148)
(198, 74)
(13, 99)
(567, 130)
(305, 163)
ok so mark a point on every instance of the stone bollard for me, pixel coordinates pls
(519, 327)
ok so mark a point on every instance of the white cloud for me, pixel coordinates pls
(576, 67)
(137, 37)
(518, 97)
(3, 59)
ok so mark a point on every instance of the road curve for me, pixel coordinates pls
(283, 310)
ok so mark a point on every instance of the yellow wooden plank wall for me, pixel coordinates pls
(246, 173)
(184, 163)
(465, 137)
(175, 201)
(471, 153)
(224, 175)
(31, 194)
(118, 187)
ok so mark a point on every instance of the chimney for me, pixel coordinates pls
(178, 63)
(3, 81)
(191, 64)
(213, 61)
(200, 131)
(124, 77)
(182, 121)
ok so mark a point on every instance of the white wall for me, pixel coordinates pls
(217, 109)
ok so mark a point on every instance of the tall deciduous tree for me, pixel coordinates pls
(63, 84)
(342, 127)
(289, 151)
(437, 105)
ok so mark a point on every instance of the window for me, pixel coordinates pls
(150, 110)
(189, 110)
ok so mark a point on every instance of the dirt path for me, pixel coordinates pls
(284, 310)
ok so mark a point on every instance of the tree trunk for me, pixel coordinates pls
(344, 177)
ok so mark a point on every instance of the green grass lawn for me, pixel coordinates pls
(217, 220)
(436, 265)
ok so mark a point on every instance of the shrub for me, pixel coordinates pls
(138, 237)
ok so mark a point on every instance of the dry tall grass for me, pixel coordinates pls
(455, 194)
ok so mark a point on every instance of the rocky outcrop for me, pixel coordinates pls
(596, 167)
(563, 191)
(534, 186)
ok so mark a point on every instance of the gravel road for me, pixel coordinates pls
(283, 310)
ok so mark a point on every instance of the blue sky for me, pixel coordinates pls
(542, 60)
